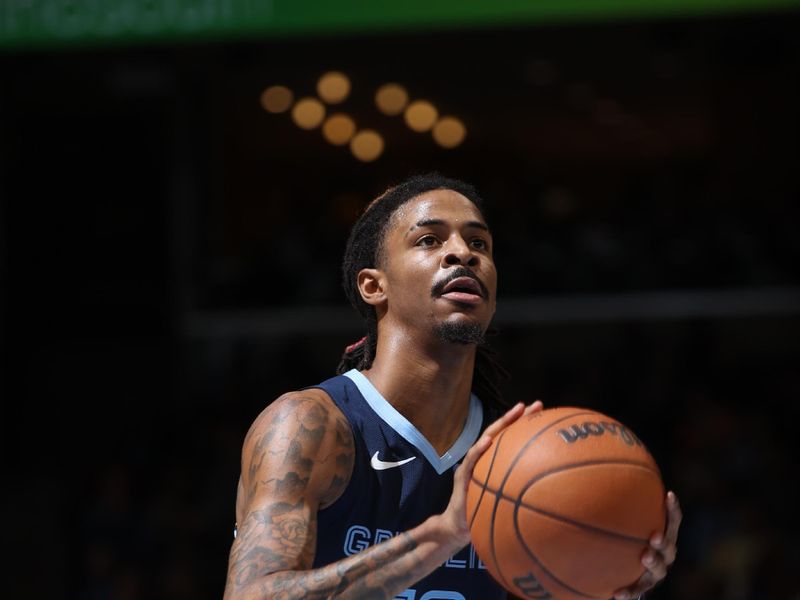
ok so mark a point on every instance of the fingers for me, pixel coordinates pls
(667, 551)
(473, 454)
(654, 562)
(633, 591)
(456, 509)
(644, 583)
(532, 408)
(628, 594)
(666, 544)
(660, 555)
(674, 518)
(512, 415)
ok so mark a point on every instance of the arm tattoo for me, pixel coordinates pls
(299, 458)
(272, 539)
(279, 533)
(379, 573)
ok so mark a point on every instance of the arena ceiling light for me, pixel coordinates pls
(339, 129)
(333, 87)
(367, 145)
(449, 132)
(277, 99)
(391, 99)
(420, 116)
(308, 113)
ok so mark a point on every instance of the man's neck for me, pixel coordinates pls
(429, 384)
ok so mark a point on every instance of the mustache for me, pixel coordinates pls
(438, 287)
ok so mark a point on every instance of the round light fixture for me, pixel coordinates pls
(277, 98)
(333, 87)
(391, 99)
(449, 132)
(308, 113)
(367, 145)
(338, 129)
(421, 115)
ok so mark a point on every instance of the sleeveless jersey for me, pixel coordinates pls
(398, 481)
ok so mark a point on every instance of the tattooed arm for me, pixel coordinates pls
(298, 458)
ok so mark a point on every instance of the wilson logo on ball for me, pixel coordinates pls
(594, 428)
(531, 588)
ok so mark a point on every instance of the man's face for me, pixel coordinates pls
(437, 265)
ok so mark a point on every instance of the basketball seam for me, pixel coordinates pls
(547, 571)
(485, 484)
(505, 479)
(518, 502)
(588, 463)
(580, 524)
(591, 463)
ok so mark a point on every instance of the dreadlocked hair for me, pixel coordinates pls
(363, 251)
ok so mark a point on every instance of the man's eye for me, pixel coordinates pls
(480, 244)
(427, 241)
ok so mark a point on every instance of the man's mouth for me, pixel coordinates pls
(466, 289)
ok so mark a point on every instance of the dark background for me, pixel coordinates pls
(169, 264)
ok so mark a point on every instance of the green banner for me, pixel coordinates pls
(37, 23)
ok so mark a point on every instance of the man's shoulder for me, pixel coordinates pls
(308, 406)
(312, 398)
(308, 418)
(306, 439)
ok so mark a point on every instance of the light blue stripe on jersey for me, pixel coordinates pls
(411, 434)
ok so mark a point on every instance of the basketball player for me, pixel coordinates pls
(351, 488)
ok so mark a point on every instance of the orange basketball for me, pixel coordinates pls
(562, 505)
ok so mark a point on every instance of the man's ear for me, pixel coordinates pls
(371, 286)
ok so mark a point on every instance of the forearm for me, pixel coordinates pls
(382, 571)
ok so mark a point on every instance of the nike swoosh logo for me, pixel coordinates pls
(382, 465)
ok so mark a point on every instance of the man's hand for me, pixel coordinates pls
(455, 516)
(660, 555)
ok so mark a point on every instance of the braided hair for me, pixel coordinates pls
(364, 249)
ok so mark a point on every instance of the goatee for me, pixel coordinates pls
(460, 333)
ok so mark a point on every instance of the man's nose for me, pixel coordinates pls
(459, 253)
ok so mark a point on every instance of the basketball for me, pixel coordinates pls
(562, 505)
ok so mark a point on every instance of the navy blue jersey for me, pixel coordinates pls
(398, 481)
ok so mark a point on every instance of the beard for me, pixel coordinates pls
(459, 333)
